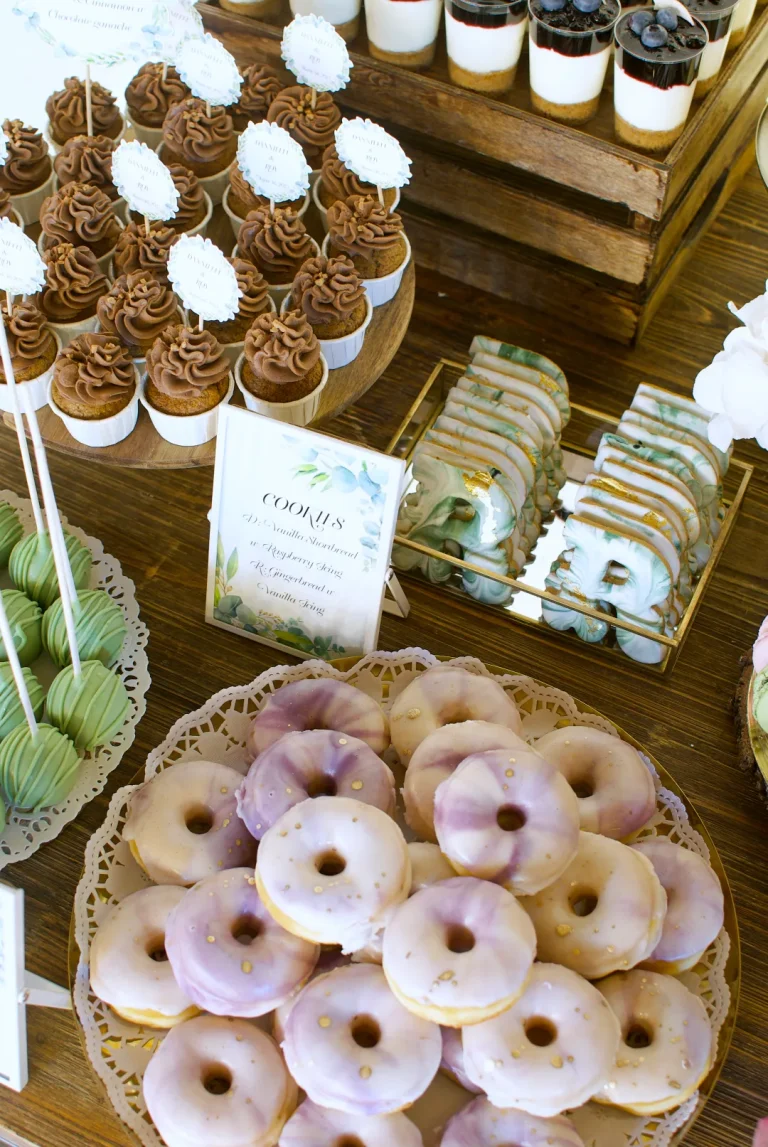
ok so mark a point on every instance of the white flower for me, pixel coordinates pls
(734, 388)
(754, 315)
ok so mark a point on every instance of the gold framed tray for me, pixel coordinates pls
(758, 738)
(579, 447)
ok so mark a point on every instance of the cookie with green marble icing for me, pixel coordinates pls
(11, 532)
(25, 619)
(11, 708)
(90, 709)
(37, 772)
(100, 629)
(32, 567)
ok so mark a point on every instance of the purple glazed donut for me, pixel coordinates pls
(480, 1124)
(313, 1126)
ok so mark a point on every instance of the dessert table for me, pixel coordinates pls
(155, 522)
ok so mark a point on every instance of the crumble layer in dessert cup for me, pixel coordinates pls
(256, 8)
(236, 220)
(200, 228)
(35, 389)
(342, 351)
(383, 290)
(100, 432)
(140, 360)
(186, 429)
(343, 14)
(27, 205)
(68, 331)
(645, 140)
(104, 261)
(566, 87)
(151, 136)
(484, 43)
(403, 34)
(742, 17)
(55, 147)
(234, 350)
(278, 291)
(214, 185)
(323, 210)
(300, 412)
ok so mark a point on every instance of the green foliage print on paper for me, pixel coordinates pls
(224, 573)
(232, 610)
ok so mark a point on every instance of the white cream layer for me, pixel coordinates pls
(649, 108)
(403, 25)
(742, 15)
(712, 57)
(567, 79)
(334, 11)
(484, 50)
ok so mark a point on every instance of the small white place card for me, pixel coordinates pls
(273, 162)
(22, 271)
(203, 279)
(209, 70)
(372, 153)
(144, 181)
(301, 536)
(316, 54)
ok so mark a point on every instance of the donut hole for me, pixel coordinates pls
(156, 949)
(348, 1141)
(199, 820)
(322, 786)
(217, 1079)
(509, 818)
(583, 788)
(459, 939)
(638, 1036)
(330, 863)
(540, 1032)
(583, 902)
(246, 929)
(365, 1031)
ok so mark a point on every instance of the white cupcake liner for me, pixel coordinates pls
(17, 219)
(104, 261)
(68, 331)
(214, 185)
(342, 351)
(100, 432)
(236, 220)
(151, 136)
(186, 429)
(27, 205)
(234, 350)
(297, 413)
(280, 290)
(36, 389)
(55, 147)
(324, 210)
(200, 229)
(383, 290)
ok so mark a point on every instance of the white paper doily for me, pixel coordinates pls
(23, 835)
(119, 1051)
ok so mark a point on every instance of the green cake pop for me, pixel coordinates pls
(2, 813)
(26, 620)
(89, 710)
(11, 532)
(33, 570)
(36, 772)
(11, 708)
(100, 629)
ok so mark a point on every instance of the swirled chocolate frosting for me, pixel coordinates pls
(339, 181)
(137, 308)
(28, 164)
(74, 283)
(196, 137)
(137, 251)
(312, 127)
(191, 209)
(182, 362)
(254, 289)
(79, 213)
(28, 337)
(94, 370)
(6, 207)
(328, 290)
(360, 226)
(66, 111)
(87, 159)
(276, 243)
(149, 96)
(282, 349)
(260, 86)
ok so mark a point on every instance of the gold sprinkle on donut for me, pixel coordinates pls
(563, 929)
(556, 1061)
(515, 1054)
(324, 1021)
(510, 772)
(513, 760)
(577, 951)
(412, 714)
(251, 879)
(288, 790)
(238, 842)
(223, 789)
(211, 939)
(357, 785)
(247, 967)
(318, 888)
(342, 740)
(225, 823)
(445, 976)
(365, 1071)
(297, 825)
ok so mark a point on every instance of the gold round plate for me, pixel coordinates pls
(758, 738)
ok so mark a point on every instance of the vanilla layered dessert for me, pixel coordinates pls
(740, 21)
(403, 32)
(717, 17)
(658, 54)
(485, 38)
(570, 46)
(343, 14)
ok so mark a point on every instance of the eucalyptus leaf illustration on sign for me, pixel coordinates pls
(97, 32)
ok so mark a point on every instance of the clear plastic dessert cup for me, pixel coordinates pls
(236, 220)
(100, 432)
(740, 21)
(35, 389)
(300, 412)
(485, 38)
(343, 14)
(717, 17)
(403, 32)
(27, 205)
(258, 9)
(342, 351)
(384, 289)
(186, 429)
(214, 185)
(568, 64)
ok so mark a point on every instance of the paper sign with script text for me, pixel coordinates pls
(98, 32)
(301, 535)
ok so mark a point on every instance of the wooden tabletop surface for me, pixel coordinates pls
(155, 523)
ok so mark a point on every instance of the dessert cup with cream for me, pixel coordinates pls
(202, 139)
(740, 22)
(33, 350)
(94, 390)
(717, 17)
(136, 309)
(277, 244)
(82, 215)
(140, 250)
(331, 296)
(256, 8)
(240, 199)
(312, 127)
(260, 86)
(74, 283)
(282, 371)
(485, 38)
(570, 48)
(403, 32)
(153, 90)
(188, 378)
(194, 210)
(87, 159)
(343, 14)
(374, 240)
(254, 300)
(27, 174)
(336, 181)
(67, 115)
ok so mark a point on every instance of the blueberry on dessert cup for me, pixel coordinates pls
(717, 17)
(282, 371)
(331, 296)
(485, 38)
(201, 138)
(136, 309)
(84, 216)
(87, 159)
(403, 32)
(240, 199)
(343, 14)
(373, 238)
(95, 390)
(67, 117)
(312, 125)
(254, 300)
(33, 350)
(27, 174)
(150, 94)
(277, 244)
(570, 47)
(139, 249)
(658, 54)
(260, 86)
(336, 182)
(188, 379)
(194, 210)
(74, 283)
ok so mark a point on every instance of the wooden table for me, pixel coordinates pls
(154, 521)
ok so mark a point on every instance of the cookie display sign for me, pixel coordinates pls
(203, 279)
(209, 70)
(273, 162)
(316, 54)
(22, 271)
(372, 153)
(144, 181)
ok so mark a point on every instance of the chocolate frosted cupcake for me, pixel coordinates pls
(81, 214)
(28, 164)
(74, 283)
(205, 143)
(331, 295)
(338, 182)
(153, 90)
(313, 127)
(138, 251)
(240, 198)
(87, 159)
(188, 377)
(33, 350)
(260, 86)
(254, 301)
(94, 390)
(137, 308)
(372, 236)
(277, 244)
(67, 117)
(283, 362)
(193, 205)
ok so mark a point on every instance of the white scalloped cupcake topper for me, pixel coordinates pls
(203, 279)
(372, 153)
(273, 162)
(182, 22)
(22, 271)
(144, 181)
(316, 54)
(209, 70)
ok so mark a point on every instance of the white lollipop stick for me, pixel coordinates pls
(18, 675)
(88, 100)
(26, 461)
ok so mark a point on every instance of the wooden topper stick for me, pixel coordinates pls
(146, 225)
(313, 98)
(208, 108)
(18, 675)
(9, 303)
(88, 100)
(199, 322)
(26, 461)
(380, 191)
(271, 207)
(165, 71)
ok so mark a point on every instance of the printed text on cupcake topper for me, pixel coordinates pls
(372, 153)
(272, 162)
(144, 181)
(203, 279)
(209, 71)
(316, 54)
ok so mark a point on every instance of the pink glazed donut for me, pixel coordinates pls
(316, 763)
(452, 1063)
(228, 952)
(323, 703)
(313, 1126)
(481, 1125)
(219, 1082)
